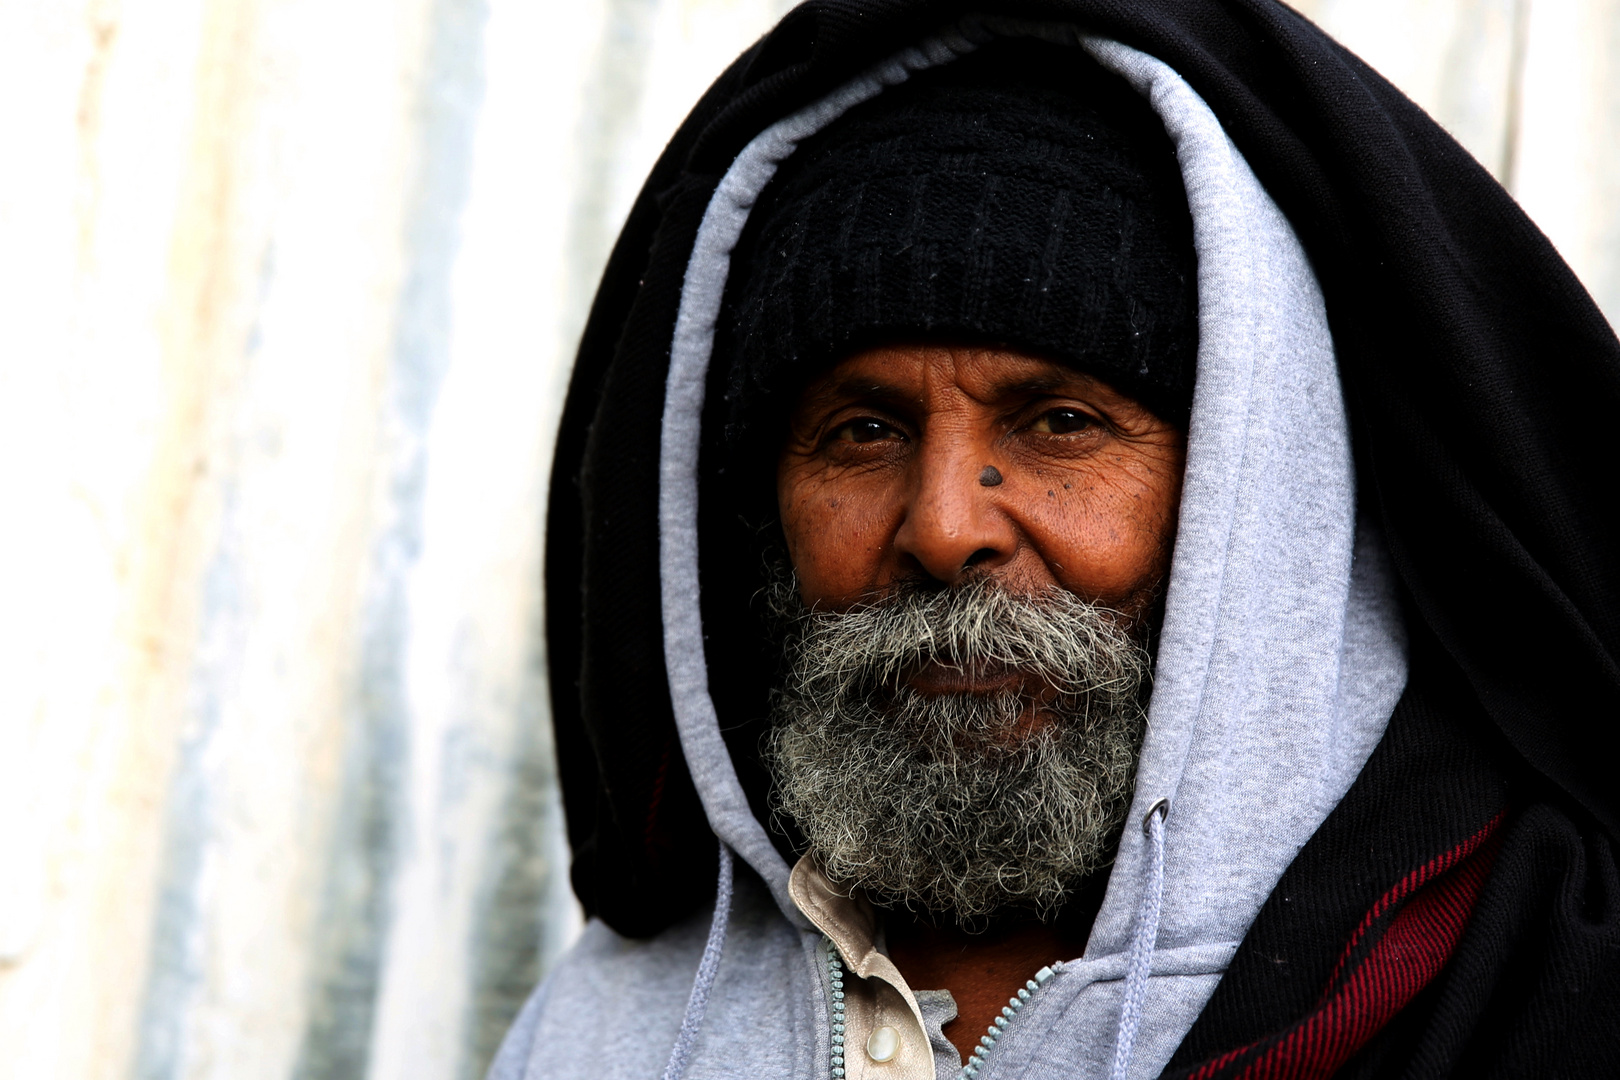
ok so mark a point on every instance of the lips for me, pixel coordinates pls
(973, 677)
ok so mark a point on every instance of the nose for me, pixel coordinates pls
(953, 519)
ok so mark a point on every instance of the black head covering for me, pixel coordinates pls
(1021, 196)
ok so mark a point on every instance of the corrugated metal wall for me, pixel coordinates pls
(288, 293)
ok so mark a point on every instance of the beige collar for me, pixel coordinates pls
(880, 998)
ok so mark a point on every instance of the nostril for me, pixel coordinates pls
(982, 555)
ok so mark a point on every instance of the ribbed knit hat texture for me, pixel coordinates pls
(1021, 196)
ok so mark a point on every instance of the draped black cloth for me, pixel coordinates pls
(1480, 380)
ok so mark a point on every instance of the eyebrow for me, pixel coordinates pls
(859, 388)
(1033, 385)
(1040, 384)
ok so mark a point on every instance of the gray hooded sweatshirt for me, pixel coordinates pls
(1281, 659)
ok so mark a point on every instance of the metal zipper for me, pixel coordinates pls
(1014, 1005)
(835, 975)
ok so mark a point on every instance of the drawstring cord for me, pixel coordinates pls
(1146, 936)
(698, 1003)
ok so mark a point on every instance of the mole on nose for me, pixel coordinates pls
(990, 476)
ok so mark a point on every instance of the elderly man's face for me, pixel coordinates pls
(976, 536)
(943, 463)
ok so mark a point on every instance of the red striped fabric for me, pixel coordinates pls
(1402, 943)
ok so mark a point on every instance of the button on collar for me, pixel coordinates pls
(883, 1044)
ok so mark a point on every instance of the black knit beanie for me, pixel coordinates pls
(1020, 196)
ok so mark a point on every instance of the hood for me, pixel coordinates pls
(1442, 314)
(1282, 652)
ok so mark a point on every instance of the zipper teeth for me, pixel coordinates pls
(1010, 1010)
(835, 975)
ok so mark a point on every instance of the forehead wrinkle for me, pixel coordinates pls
(1033, 386)
(866, 387)
(917, 378)
(989, 376)
(861, 387)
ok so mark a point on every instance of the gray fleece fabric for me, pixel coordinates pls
(1281, 659)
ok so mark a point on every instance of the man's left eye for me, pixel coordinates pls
(863, 430)
(1062, 421)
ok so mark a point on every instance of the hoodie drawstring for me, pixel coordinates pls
(698, 1003)
(1142, 943)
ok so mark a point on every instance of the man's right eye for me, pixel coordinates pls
(863, 430)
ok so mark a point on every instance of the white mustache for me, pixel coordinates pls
(1052, 638)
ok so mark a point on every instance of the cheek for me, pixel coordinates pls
(1104, 534)
(838, 534)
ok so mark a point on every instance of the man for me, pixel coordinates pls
(953, 375)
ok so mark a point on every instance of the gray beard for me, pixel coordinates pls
(961, 806)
